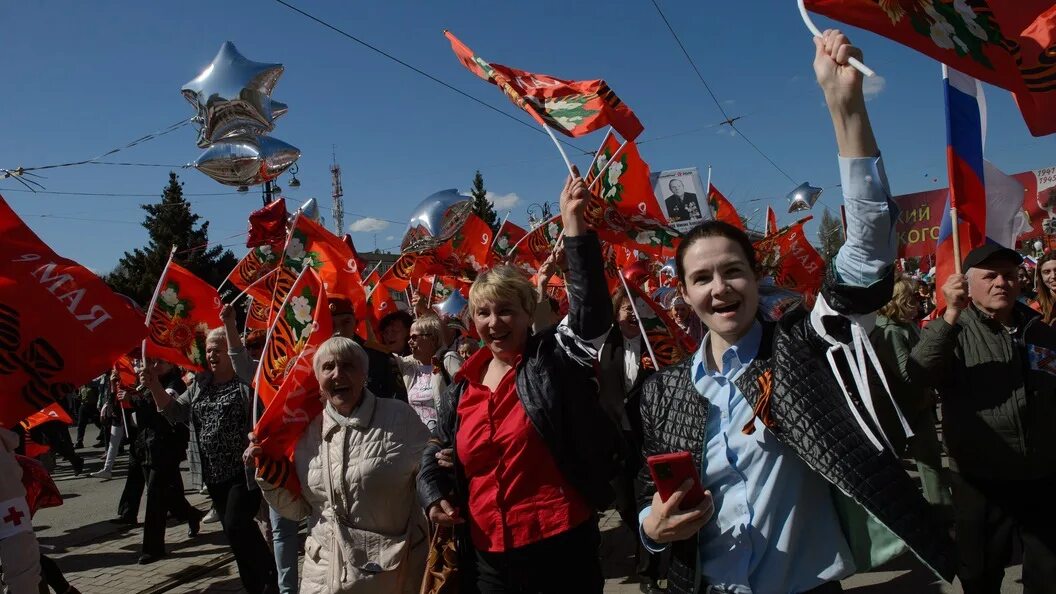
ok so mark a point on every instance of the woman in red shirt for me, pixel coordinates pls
(533, 449)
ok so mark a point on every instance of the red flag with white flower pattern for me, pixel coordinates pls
(185, 310)
(302, 324)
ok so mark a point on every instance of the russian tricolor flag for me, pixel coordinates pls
(988, 202)
(965, 125)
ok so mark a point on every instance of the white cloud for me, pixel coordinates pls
(367, 225)
(390, 238)
(503, 201)
(872, 86)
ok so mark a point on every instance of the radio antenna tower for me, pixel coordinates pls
(336, 194)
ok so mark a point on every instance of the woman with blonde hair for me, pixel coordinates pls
(895, 335)
(356, 462)
(424, 374)
(533, 451)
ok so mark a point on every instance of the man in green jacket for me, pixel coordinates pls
(994, 364)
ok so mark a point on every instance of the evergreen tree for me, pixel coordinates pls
(170, 223)
(482, 207)
(830, 235)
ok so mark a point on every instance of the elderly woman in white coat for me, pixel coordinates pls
(356, 462)
(428, 370)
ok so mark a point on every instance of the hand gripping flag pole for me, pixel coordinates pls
(865, 70)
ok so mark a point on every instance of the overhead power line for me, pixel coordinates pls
(413, 68)
(727, 120)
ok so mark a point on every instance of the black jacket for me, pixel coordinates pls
(158, 441)
(998, 392)
(557, 386)
(810, 415)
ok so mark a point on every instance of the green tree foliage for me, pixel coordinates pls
(170, 223)
(830, 235)
(482, 207)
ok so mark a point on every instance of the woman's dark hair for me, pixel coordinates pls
(398, 316)
(713, 229)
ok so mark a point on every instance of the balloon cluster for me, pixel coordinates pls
(235, 112)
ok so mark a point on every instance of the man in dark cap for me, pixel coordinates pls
(383, 376)
(993, 362)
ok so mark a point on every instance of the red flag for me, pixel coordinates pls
(295, 400)
(557, 290)
(668, 342)
(468, 251)
(127, 378)
(259, 309)
(254, 265)
(60, 325)
(398, 276)
(722, 209)
(1008, 44)
(329, 256)
(267, 226)
(537, 245)
(41, 491)
(52, 412)
(573, 108)
(624, 181)
(506, 237)
(792, 261)
(626, 211)
(381, 302)
(185, 309)
(771, 221)
(616, 258)
(303, 320)
(360, 263)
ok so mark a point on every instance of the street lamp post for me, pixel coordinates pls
(539, 213)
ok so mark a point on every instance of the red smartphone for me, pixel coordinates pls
(669, 471)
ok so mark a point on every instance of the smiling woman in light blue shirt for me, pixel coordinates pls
(803, 490)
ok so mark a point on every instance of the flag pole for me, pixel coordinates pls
(638, 318)
(707, 193)
(615, 155)
(154, 301)
(495, 239)
(245, 327)
(855, 62)
(150, 312)
(956, 238)
(560, 149)
(252, 284)
(371, 291)
(267, 342)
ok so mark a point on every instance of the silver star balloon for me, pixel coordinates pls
(454, 306)
(803, 197)
(238, 126)
(246, 160)
(435, 220)
(233, 95)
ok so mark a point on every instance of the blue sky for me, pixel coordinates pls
(82, 78)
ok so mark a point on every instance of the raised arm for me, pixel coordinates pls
(589, 310)
(932, 357)
(176, 409)
(240, 359)
(869, 251)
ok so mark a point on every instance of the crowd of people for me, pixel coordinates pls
(501, 435)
